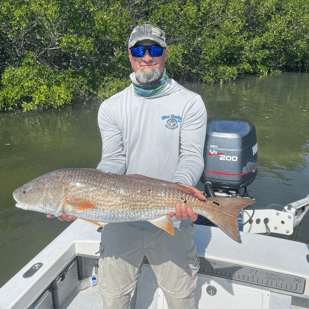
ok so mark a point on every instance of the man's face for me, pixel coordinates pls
(147, 63)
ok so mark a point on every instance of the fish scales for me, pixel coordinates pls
(98, 196)
(116, 198)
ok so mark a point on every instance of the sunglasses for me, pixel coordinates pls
(153, 50)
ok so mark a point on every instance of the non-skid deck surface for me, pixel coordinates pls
(90, 298)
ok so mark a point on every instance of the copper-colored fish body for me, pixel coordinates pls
(98, 196)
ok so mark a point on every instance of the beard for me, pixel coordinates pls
(148, 76)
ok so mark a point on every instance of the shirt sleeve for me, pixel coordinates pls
(192, 140)
(113, 153)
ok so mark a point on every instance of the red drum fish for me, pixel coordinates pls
(97, 196)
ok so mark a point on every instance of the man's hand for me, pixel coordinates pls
(63, 217)
(184, 212)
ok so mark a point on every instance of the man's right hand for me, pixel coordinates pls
(63, 217)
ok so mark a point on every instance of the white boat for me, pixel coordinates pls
(261, 273)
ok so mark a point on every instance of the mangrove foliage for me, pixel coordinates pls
(54, 51)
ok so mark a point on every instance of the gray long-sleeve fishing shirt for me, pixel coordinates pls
(161, 136)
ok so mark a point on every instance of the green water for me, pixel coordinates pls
(32, 144)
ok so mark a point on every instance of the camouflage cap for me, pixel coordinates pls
(147, 32)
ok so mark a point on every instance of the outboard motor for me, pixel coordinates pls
(230, 156)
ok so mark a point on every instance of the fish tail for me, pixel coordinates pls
(226, 212)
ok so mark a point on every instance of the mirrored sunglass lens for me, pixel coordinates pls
(155, 51)
(138, 51)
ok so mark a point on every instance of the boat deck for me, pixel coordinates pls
(280, 282)
(91, 298)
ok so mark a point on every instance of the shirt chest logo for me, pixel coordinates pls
(172, 121)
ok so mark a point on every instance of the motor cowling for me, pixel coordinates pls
(230, 153)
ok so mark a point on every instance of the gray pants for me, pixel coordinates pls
(172, 258)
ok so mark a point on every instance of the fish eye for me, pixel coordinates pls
(24, 191)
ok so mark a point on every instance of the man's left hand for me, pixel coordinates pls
(184, 212)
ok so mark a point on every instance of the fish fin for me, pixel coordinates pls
(101, 224)
(226, 218)
(165, 223)
(80, 205)
(185, 189)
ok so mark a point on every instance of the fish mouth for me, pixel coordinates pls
(21, 206)
(41, 209)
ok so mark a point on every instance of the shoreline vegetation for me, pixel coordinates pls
(53, 52)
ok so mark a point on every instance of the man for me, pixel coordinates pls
(155, 127)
